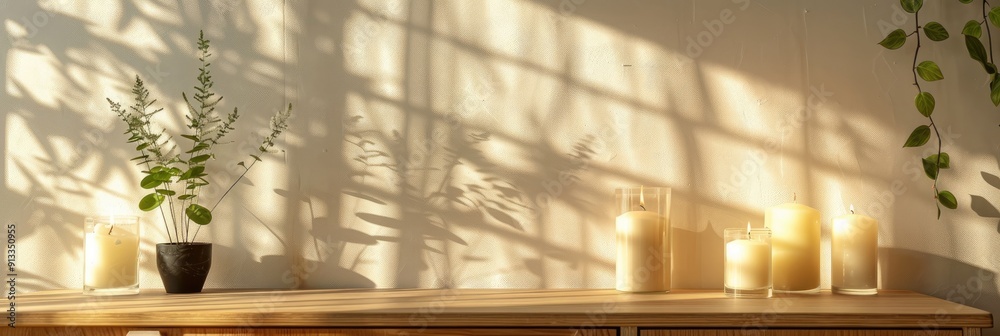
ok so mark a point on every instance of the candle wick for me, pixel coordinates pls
(643, 208)
(852, 211)
(112, 229)
(795, 197)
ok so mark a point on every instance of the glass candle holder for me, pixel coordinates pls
(642, 227)
(111, 260)
(748, 262)
(854, 247)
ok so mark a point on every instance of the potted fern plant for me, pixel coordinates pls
(175, 171)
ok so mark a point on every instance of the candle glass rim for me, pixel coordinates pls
(107, 218)
(643, 188)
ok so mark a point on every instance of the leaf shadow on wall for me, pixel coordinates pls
(469, 193)
(982, 206)
(940, 277)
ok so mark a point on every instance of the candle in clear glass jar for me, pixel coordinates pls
(642, 230)
(747, 262)
(111, 256)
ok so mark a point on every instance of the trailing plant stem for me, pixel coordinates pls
(916, 82)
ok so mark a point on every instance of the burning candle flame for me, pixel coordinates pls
(642, 199)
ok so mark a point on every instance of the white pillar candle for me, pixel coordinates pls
(795, 247)
(748, 264)
(112, 256)
(642, 239)
(854, 268)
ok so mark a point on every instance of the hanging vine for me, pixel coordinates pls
(928, 71)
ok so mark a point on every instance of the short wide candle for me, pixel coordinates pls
(854, 263)
(111, 255)
(748, 262)
(795, 251)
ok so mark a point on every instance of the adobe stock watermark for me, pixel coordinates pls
(898, 19)
(713, 29)
(756, 158)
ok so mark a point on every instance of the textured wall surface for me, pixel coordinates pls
(477, 143)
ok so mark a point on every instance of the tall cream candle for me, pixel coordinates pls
(854, 266)
(795, 247)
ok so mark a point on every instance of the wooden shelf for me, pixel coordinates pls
(494, 308)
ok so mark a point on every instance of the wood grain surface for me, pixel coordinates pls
(111, 331)
(421, 308)
(799, 332)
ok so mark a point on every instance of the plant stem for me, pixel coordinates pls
(196, 230)
(989, 36)
(916, 82)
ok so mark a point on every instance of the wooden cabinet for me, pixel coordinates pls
(491, 312)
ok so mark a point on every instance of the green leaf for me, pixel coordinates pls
(198, 214)
(895, 40)
(995, 90)
(965, 1)
(157, 169)
(174, 171)
(149, 182)
(976, 49)
(186, 197)
(162, 176)
(195, 171)
(255, 157)
(930, 168)
(140, 157)
(911, 6)
(142, 146)
(925, 103)
(935, 31)
(150, 202)
(197, 148)
(200, 158)
(972, 28)
(929, 71)
(947, 199)
(191, 137)
(994, 16)
(166, 192)
(918, 137)
(945, 160)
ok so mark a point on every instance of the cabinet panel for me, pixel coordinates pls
(110, 331)
(795, 332)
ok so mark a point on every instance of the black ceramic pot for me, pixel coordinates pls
(183, 267)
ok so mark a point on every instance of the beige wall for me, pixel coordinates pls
(477, 144)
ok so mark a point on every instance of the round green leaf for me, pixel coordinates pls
(947, 199)
(918, 137)
(149, 182)
(965, 1)
(925, 103)
(150, 202)
(994, 16)
(198, 214)
(935, 31)
(895, 40)
(972, 28)
(929, 71)
(911, 6)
